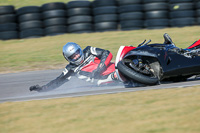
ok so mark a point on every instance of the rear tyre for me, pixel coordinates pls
(136, 76)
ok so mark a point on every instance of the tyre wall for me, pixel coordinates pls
(182, 13)
(8, 23)
(156, 14)
(54, 18)
(105, 15)
(197, 7)
(131, 15)
(79, 17)
(82, 16)
(30, 22)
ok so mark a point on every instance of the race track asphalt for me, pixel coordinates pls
(15, 86)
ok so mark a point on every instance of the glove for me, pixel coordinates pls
(36, 88)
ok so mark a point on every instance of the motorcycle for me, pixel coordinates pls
(149, 64)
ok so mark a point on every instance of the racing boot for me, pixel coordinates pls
(168, 39)
(112, 78)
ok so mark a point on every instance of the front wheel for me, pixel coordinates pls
(136, 75)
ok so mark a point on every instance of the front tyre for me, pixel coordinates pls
(135, 75)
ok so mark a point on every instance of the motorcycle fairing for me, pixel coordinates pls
(195, 44)
(171, 61)
(123, 50)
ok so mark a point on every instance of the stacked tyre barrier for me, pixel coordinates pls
(156, 14)
(84, 16)
(198, 11)
(8, 23)
(30, 22)
(182, 13)
(54, 18)
(79, 14)
(131, 15)
(105, 15)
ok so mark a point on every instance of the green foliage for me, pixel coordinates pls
(22, 3)
(169, 111)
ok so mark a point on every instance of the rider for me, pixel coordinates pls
(90, 63)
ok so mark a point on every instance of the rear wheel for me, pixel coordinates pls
(141, 72)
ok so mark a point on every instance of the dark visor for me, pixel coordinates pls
(72, 57)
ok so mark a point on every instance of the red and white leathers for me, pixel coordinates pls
(96, 65)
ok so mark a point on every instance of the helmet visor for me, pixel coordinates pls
(74, 57)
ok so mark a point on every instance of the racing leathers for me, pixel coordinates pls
(96, 65)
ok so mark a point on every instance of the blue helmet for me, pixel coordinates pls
(73, 53)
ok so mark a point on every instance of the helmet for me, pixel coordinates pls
(73, 53)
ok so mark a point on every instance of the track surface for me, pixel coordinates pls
(15, 86)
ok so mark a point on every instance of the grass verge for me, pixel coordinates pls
(46, 52)
(155, 111)
(23, 3)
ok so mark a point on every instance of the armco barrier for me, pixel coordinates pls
(84, 16)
